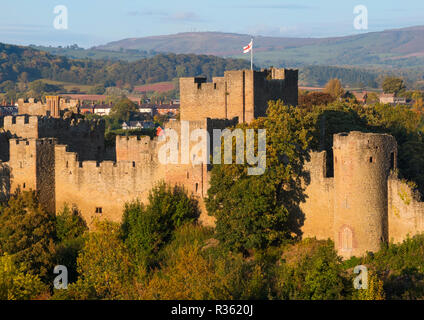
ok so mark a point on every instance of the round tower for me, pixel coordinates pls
(362, 164)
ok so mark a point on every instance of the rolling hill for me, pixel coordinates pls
(396, 48)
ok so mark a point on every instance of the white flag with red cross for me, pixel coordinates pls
(247, 48)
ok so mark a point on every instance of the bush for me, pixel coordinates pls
(146, 229)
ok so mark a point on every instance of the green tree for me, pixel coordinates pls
(16, 284)
(146, 229)
(393, 85)
(71, 229)
(311, 270)
(123, 109)
(255, 211)
(27, 232)
(104, 266)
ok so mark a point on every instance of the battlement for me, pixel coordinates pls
(240, 93)
(54, 106)
(134, 148)
(83, 136)
(26, 126)
(102, 188)
(362, 140)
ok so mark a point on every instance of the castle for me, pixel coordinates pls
(360, 206)
(55, 106)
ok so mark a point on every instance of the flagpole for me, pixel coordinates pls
(251, 56)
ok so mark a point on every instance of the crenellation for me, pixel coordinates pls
(360, 207)
(241, 93)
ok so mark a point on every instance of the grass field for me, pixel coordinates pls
(84, 88)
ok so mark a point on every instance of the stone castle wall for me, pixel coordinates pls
(32, 168)
(319, 205)
(405, 210)
(82, 136)
(243, 94)
(101, 189)
(362, 164)
(54, 106)
(361, 207)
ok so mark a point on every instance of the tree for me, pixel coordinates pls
(16, 284)
(194, 271)
(311, 270)
(256, 211)
(393, 85)
(27, 232)
(334, 88)
(315, 99)
(375, 289)
(104, 265)
(71, 229)
(146, 229)
(123, 109)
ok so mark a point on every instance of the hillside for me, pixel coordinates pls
(27, 64)
(75, 52)
(390, 48)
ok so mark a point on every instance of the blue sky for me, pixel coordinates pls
(93, 22)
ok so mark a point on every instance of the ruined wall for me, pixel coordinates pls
(362, 163)
(32, 107)
(318, 209)
(83, 136)
(405, 210)
(55, 106)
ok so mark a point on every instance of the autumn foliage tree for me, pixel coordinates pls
(255, 211)
(334, 88)
(27, 232)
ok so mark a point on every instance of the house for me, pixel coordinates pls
(87, 109)
(361, 97)
(163, 109)
(102, 110)
(146, 108)
(134, 125)
(391, 98)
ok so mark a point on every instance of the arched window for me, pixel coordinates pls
(346, 238)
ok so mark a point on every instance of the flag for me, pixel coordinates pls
(159, 131)
(247, 48)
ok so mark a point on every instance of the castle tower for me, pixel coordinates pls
(32, 165)
(240, 93)
(362, 164)
(53, 105)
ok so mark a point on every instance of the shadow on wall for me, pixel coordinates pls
(5, 178)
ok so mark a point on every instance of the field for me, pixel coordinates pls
(83, 88)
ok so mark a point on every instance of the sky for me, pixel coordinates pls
(95, 22)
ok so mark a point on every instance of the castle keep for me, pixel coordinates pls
(243, 94)
(360, 206)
